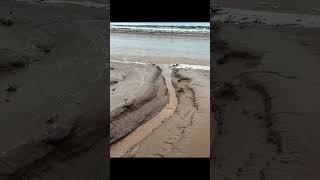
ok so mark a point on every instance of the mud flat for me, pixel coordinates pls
(174, 122)
(186, 132)
(265, 104)
(53, 80)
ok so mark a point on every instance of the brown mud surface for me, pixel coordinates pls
(138, 92)
(52, 83)
(186, 133)
(142, 130)
(265, 104)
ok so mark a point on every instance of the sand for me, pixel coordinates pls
(137, 93)
(186, 133)
(265, 87)
(179, 116)
(122, 146)
(53, 80)
(161, 60)
(183, 119)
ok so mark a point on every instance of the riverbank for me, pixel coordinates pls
(186, 133)
(137, 93)
(187, 121)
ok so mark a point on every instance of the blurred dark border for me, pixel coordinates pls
(160, 11)
(160, 168)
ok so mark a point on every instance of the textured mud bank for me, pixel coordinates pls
(186, 132)
(265, 88)
(138, 92)
(52, 88)
(123, 146)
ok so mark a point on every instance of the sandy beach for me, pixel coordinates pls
(265, 87)
(53, 80)
(160, 95)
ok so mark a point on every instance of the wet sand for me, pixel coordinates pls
(122, 146)
(160, 48)
(161, 60)
(167, 51)
(137, 93)
(186, 133)
(53, 78)
(265, 87)
(184, 120)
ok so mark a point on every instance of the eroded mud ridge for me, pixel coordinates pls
(264, 101)
(138, 92)
(186, 132)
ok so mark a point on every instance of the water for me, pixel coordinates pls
(173, 27)
(162, 45)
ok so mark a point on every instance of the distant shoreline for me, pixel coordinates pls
(126, 31)
(160, 60)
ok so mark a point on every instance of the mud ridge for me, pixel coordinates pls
(128, 143)
(133, 107)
